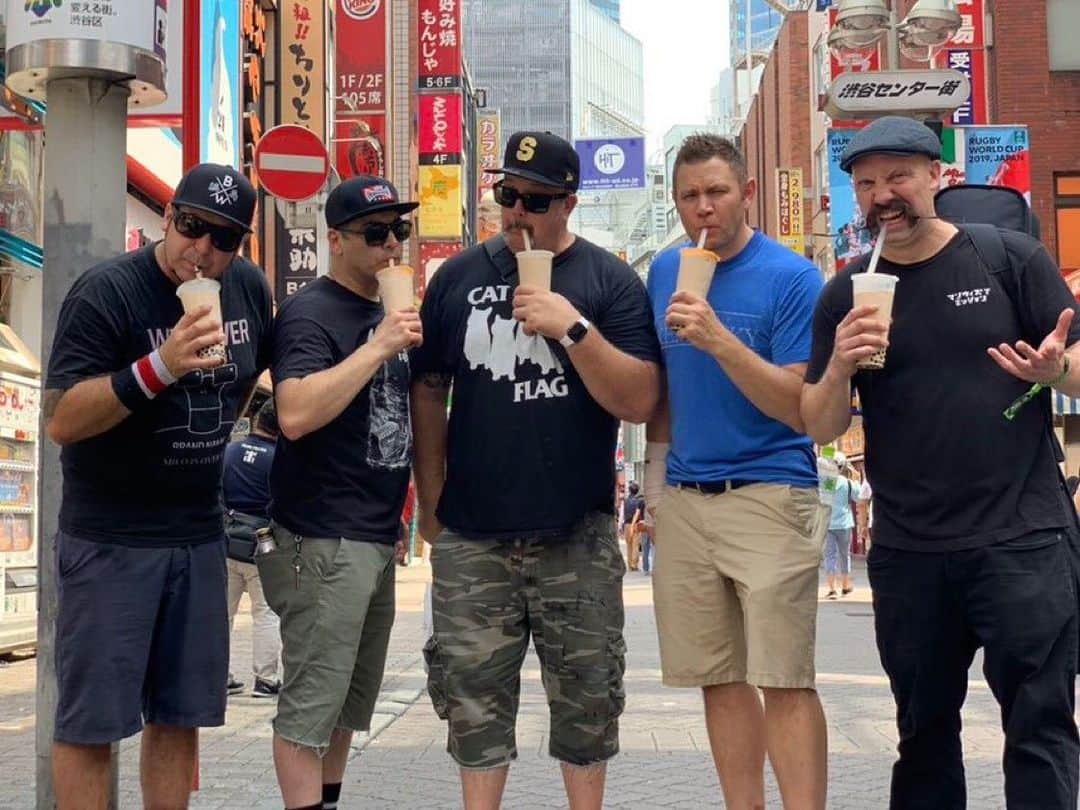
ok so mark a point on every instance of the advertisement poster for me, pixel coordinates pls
(609, 164)
(440, 124)
(297, 259)
(789, 209)
(440, 202)
(488, 148)
(361, 137)
(992, 156)
(432, 256)
(219, 83)
(966, 52)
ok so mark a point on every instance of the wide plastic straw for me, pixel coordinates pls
(701, 238)
(878, 245)
(528, 241)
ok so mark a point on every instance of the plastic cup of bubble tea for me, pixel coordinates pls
(396, 287)
(874, 290)
(696, 268)
(201, 292)
(534, 268)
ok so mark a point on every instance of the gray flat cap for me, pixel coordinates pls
(892, 135)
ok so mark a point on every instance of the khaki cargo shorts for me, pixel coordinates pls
(335, 629)
(735, 585)
(488, 598)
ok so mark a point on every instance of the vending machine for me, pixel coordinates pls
(19, 414)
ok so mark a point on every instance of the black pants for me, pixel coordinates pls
(932, 611)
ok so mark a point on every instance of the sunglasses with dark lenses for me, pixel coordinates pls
(376, 233)
(533, 203)
(222, 237)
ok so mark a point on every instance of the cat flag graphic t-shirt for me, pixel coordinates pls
(529, 451)
(155, 478)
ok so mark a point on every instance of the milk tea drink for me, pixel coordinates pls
(534, 268)
(396, 287)
(201, 292)
(696, 268)
(874, 290)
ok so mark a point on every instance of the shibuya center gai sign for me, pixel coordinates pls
(858, 96)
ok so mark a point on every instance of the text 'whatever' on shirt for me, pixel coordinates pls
(155, 478)
(529, 451)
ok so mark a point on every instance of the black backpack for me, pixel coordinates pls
(993, 205)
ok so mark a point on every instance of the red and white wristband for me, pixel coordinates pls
(142, 380)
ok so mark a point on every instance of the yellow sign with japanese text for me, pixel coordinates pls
(789, 209)
(303, 64)
(440, 211)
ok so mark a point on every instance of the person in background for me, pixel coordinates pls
(245, 486)
(633, 507)
(841, 525)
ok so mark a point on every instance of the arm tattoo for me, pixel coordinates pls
(52, 399)
(434, 379)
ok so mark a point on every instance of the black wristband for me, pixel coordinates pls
(127, 389)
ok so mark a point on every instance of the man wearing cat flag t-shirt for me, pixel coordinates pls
(523, 477)
(142, 402)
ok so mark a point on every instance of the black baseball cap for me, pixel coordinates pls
(892, 135)
(542, 158)
(220, 190)
(362, 195)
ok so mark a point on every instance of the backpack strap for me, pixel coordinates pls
(990, 246)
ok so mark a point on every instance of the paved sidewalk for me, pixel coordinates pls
(665, 761)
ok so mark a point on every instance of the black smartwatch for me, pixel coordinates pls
(576, 333)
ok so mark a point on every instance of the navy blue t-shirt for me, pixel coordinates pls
(348, 478)
(529, 451)
(949, 472)
(155, 478)
(246, 481)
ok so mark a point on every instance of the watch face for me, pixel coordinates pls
(577, 331)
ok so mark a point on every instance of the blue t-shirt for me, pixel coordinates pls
(841, 517)
(245, 484)
(765, 296)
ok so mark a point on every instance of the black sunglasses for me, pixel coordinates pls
(533, 203)
(222, 237)
(376, 233)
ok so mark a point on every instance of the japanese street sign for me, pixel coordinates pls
(362, 53)
(897, 92)
(789, 210)
(292, 162)
(439, 38)
(302, 59)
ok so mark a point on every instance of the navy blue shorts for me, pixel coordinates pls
(142, 634)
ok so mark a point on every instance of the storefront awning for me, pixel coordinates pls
(1066, 406)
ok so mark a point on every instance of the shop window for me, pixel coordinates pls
(1067, 213)
(1062, 23)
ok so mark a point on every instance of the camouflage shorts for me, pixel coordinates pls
(488, 597)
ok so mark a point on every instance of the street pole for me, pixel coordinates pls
(85, 215)
(892, 40)
(749, 60)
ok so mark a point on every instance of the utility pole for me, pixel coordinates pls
(85, 216)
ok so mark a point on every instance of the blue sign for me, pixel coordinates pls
(610, 164)
(220, 122)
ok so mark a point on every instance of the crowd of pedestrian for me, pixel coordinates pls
(164, 523)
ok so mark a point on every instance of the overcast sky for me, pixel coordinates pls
(686, 47)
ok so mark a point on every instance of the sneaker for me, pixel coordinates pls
(233, 686)
(265, 689)
(846, 591)
(830, 595)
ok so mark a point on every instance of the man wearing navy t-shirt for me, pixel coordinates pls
(523, 475)
(142, 629)
(338, 485)
(733, 484)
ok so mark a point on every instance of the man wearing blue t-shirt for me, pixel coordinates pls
(733, 482)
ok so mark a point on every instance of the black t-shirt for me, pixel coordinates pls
(631, 506)
(348, 478)
(529, 451)
(245, 484)
(154, 479)
(948, 470)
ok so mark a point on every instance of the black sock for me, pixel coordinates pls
(318, 806)
(330, 796)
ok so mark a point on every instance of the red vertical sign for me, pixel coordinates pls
(440, 44)
(362, 50)
(966, 52)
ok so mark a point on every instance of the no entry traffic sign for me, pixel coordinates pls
(292, 162)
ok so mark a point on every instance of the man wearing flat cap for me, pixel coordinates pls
(970, 535)
(338, 484)
(143, 415)
(516, 491)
